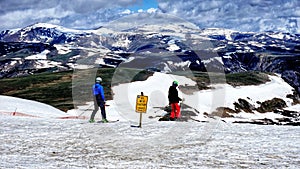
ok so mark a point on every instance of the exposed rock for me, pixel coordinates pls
(284, 120)
(271, 105)
(295, 96)
(296, 123)
(275, 105)
(223, 112)
(187, 113)
(243, 105)
(288, 113)
(264, 121)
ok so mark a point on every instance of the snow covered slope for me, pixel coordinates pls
(28, 107)
(59, 143)
(204, 103)
(51, 143)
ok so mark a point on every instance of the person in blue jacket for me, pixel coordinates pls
(99, 100)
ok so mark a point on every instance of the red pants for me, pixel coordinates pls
(175, 110)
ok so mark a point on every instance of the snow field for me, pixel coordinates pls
(156, 88)
(49, 142)
(53, 143)
(33, 108)
(222, 95)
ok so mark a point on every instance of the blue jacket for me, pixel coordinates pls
(98, 91)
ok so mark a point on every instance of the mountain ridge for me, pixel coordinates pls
(210, 49)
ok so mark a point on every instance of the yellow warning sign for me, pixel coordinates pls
(141, 104)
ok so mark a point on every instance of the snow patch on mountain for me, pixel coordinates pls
(173, 46)
(41, 64)
(125, 94)
(52, 26)
(33, 108)
(207, 100)
(227, 33)
(40, 56)
(122, 42)
(62, 49)
(293, 108)
(218, 59)
(170, 65)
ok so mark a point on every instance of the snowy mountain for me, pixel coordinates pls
(41, 32)
(165, 47)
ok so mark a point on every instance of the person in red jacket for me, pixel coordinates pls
(174, 101)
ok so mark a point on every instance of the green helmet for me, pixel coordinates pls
(175, 83)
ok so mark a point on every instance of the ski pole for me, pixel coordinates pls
(85, 110)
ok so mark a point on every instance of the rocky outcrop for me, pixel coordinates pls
(187, 113)
(271, 105)
(275, 105)
(243, 105)
(222, 112)
(289, 113)
(295, 97)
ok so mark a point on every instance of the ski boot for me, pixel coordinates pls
(92, 121)
(104, 121)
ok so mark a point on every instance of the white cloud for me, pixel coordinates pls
(241, 15)
(79, 6)
(54, 21)
(23, 13)
(151, 10)
(251, 15)
(26, 17)
(145, 18)
(86, 6)
(126, 12)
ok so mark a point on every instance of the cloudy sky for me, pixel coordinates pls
(250, 15)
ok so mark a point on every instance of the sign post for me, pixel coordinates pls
(141, 106)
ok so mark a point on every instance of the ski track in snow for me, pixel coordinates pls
(28, 142)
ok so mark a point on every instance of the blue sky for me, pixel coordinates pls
(145, 4)
(240, 15)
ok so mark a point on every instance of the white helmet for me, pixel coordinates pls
(98, 79)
